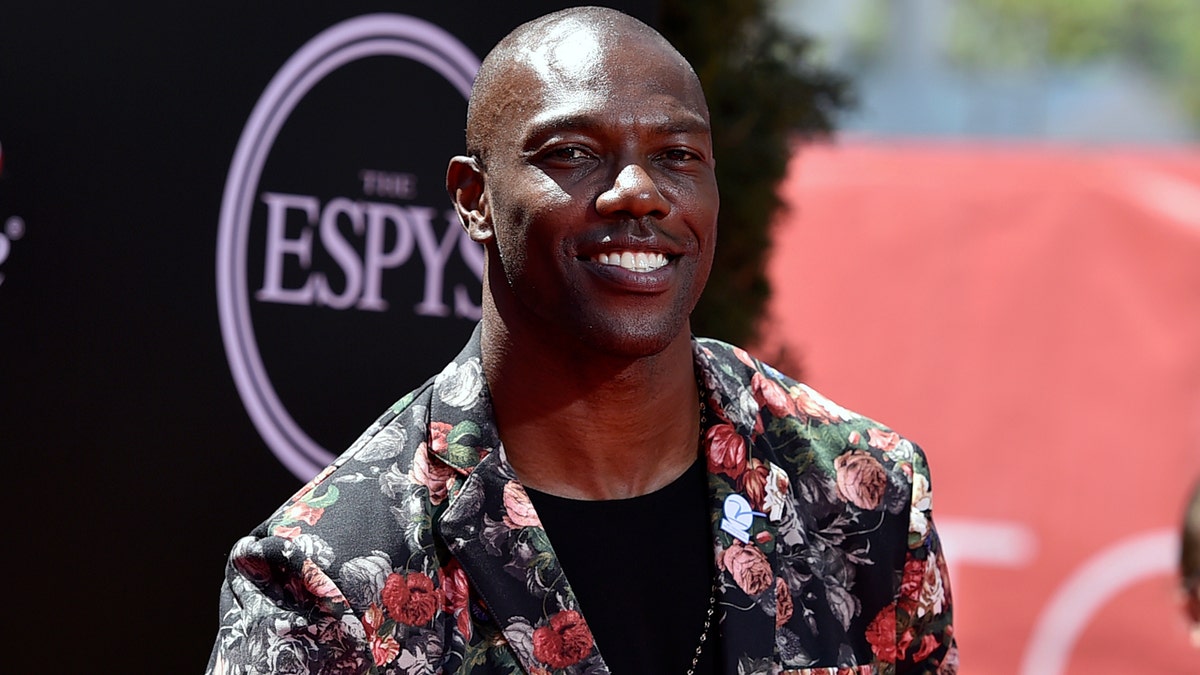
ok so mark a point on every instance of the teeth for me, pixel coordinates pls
(634, 262)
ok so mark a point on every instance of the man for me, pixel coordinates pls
(583, 414)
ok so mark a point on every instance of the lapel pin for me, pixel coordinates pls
(739, 517)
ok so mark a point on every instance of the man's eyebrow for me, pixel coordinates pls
(539, 128)
(675, 123)
(687, 124)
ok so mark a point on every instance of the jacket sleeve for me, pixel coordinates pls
(280, 613)
(924, 615)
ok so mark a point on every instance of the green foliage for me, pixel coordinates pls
(763, 93)
(1160, 36)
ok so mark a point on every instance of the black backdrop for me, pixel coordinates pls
(131, 461)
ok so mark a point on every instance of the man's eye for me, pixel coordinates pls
(569, 153)
(679, 155)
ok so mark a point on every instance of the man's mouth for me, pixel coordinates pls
(634, 261)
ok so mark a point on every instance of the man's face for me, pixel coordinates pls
(601, 191)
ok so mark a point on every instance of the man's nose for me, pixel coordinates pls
(633, 193)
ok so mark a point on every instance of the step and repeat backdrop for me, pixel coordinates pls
(225, 247)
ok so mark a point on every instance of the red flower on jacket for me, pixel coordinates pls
(318, 583)
(456, 594)
(928, 644)
(438, 437)
(910, 583)
(565, 641)
(288, 532)
(882, 440)
(812, 405)
(783, 602)
(383, 649)
(881, 634)
(431, 472)
(518, 510)
(754, 483)
(410, 598)
(749, 567)
(861, 480)
(304, 512)
(772, 395)
(741, 354)
(726, 450)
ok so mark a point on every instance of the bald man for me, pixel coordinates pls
(587, 488)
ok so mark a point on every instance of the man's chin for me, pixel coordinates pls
(635, 340)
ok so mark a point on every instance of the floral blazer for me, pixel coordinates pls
(418, 550)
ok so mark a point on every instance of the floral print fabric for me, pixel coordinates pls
(418, 550)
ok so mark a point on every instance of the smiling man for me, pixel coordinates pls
(587, 488)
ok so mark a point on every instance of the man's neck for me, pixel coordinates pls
(584, 425)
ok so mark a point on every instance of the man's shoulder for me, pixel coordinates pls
(734, 372)
(781, 411)
(382, 492)
(350, 504)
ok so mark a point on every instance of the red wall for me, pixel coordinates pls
(1031, 316)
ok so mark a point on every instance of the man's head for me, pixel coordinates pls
(590, 181)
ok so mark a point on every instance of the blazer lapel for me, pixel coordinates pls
(497, 537)
(743, 536)
(777, 589)
(489, 525)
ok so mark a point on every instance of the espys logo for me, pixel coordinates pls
(14, 229)
(334, 264)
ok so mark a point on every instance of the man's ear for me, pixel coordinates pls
(467, 185)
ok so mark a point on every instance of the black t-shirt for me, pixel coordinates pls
(642, 570)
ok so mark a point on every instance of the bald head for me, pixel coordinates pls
(556, 47)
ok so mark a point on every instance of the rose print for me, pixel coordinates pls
(432, 473)
(361, 579)
(564, 642)
(518, 509)
(439, 433)
(928, 644)
(783, 603)
(456, 595)
(932, 597)
(881, 634)
(766, 487)
(815, 406)
(772, 395)
(910, 584)
(726, 450)
(882, 440)
(286, 532)
(383, 650)
(410, 599)
(749, 567)
(460, 384)
(304, 512)
(319, 584)
(922, 501)
(902, 644)
(754, 483)
(741, 354)
(860, 479)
